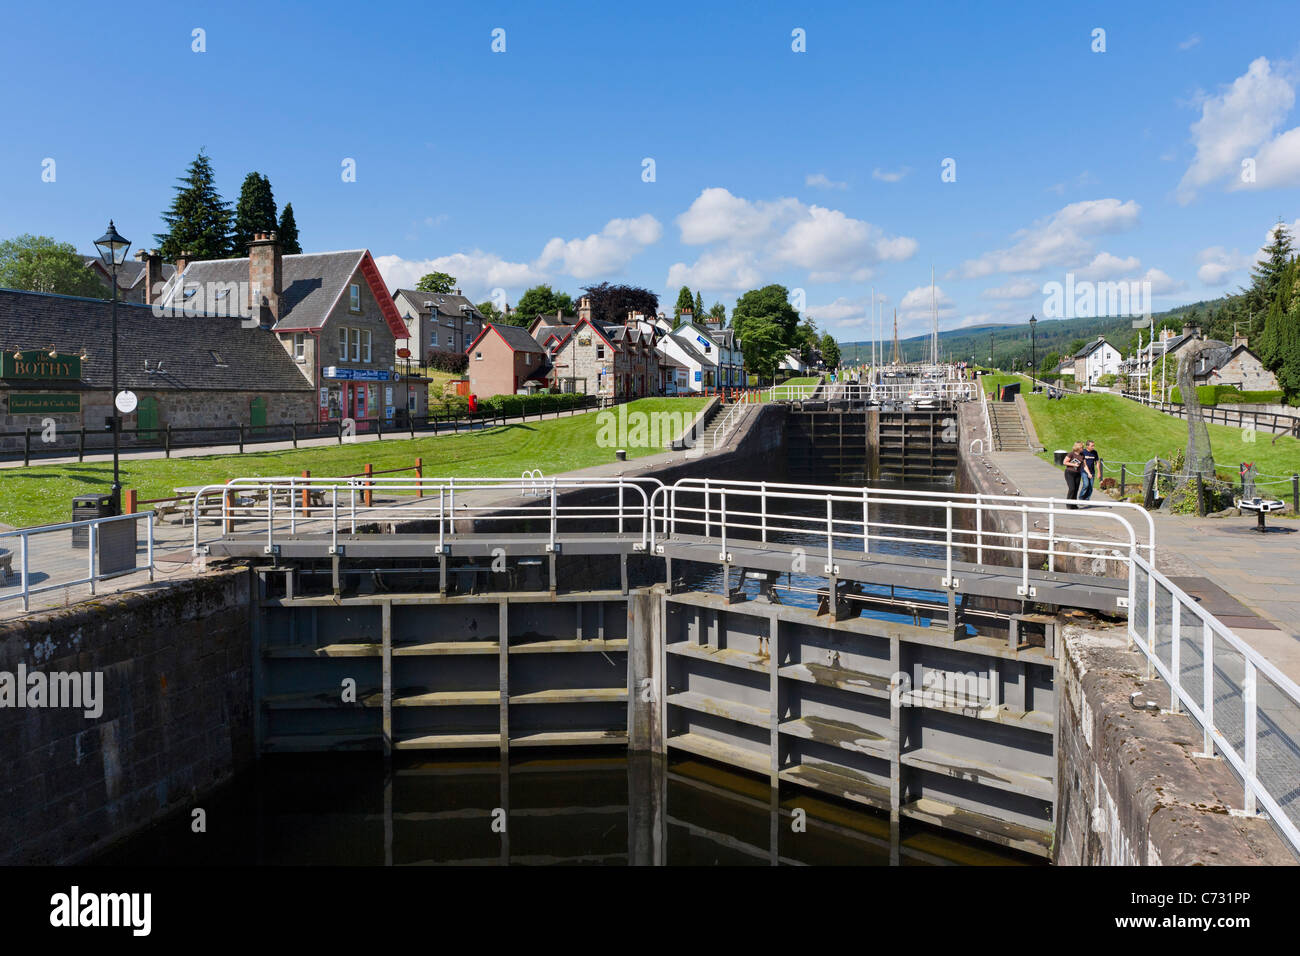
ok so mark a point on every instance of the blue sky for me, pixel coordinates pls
(819, 169)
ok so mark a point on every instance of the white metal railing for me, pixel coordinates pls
(1248, 710)
(291, 505)
(919, 391)
(729, 422)
(536, 481)
(850, 519)
(988, 422)
(46, 562)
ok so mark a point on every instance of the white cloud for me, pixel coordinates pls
(607, 251)
(477, 272)
(752, 238)
(1107, 266)
(1060, 239)
(916, 304)
(885, 176)
(1161, 282)
(1014, 290)
(1219, 263)
(1191, 41)
(727, 270)
(1239, 123)
(821, 181)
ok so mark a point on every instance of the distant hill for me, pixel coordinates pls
(1011, 343)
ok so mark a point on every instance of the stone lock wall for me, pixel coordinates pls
(176, 715)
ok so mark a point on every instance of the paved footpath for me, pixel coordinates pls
(1251, 582)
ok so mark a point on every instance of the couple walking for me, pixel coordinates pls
(1082, 471)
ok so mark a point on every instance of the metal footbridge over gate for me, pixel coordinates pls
(895, 648)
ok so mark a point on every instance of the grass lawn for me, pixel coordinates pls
(806, 382)
(43, 494)
(993, 380)
(1128, 432)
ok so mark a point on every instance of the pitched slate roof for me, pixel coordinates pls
(252, 359)
(515, 336)
(311, 283)
(1090, 348)
(130, 273)
(445, 303)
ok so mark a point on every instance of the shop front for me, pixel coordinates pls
(356, 393)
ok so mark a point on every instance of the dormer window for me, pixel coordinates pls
(354, 292)
(217, 360)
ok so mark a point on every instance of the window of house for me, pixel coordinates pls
(356, 344)
(300, 346)
(433, 338)
(355, 293)
(365, 346)
(343, 345)
(600, 351)
(478, 356)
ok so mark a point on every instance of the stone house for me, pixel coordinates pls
(330, 312)
(1096, 359)
(443, 321)
(186, 370)
(133, 277)
(504, 360)
(1234, 365)
(593, 358)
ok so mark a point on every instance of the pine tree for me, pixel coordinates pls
(198, 222)
(684, 301)
(254, 213)
(1266, 275)
(288, 232)
(699, 306)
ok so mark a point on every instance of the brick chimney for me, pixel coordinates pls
(184, 259)
(153, 280)
(1239, 339)
(584, 308)
(265, 277)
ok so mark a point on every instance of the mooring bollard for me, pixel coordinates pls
(131, 499)
(370, 471)
(1295, 493)
(306, 495)
(419, 477)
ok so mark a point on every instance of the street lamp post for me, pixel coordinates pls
(1033, 354)
(112, 250)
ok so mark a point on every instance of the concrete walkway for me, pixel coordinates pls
(1251, 582)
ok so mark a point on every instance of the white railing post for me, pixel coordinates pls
(762, 507)
(708, 526)
(979, 530)
(620, 504)
(334, 522)
(149, 550)
(866, 522)
(830, 536)
(1051, 536)
(722, 521)
(1207, 687)
(554, 513)
(352, 490)
(23, 547)
(94, 549)
(947, 570)
(1174, 653)
(1024, 544)
(270, 519)
(293, 509)
(442, 517)
(1248, 705)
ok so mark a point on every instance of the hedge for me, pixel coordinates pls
(1228, 394)
(533, 404)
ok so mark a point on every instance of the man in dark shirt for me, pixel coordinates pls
(1090, 473)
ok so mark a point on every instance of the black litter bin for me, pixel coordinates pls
(85, 508)
(1059, 457)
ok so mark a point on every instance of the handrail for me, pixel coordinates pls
(1055, 505)
(1202, 702)
(772, 507)
(94, 573)
(370, 499)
